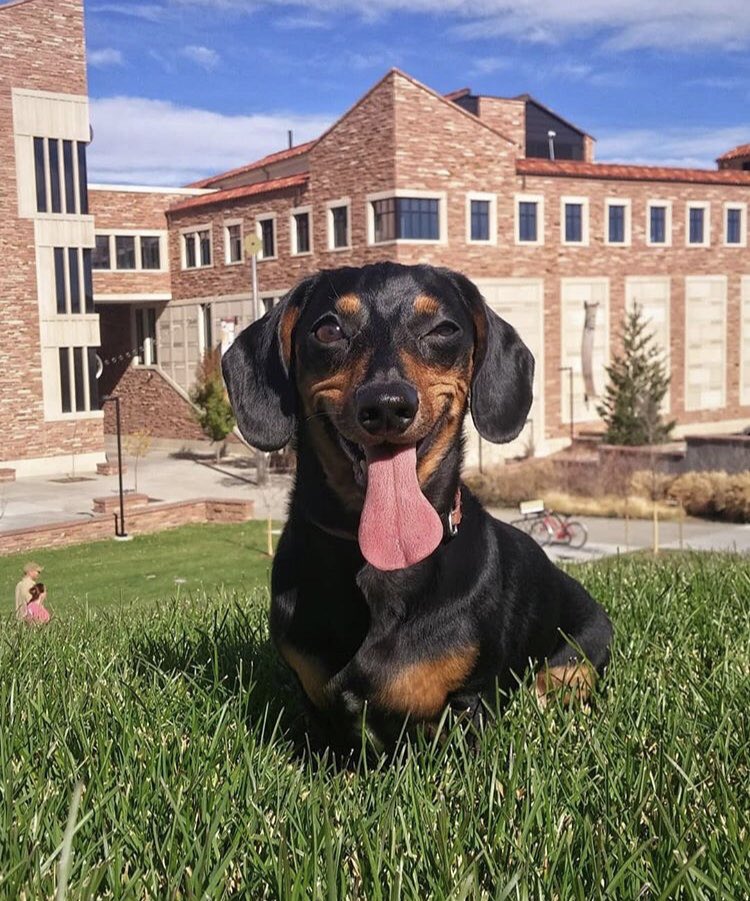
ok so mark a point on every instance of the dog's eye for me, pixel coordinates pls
(328, 331)
(443, 330)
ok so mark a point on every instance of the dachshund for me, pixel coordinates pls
(394, 593)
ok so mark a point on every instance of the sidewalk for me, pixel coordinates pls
(162, 475)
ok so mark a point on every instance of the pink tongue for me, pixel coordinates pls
(398, 527)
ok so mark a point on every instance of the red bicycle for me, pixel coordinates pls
(557, 528)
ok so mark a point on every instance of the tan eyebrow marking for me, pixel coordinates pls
(348, 305)
(426, 305)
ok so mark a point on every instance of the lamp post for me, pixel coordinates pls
(569, 370)
(119, 527)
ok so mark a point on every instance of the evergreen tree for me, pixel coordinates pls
(210, 397)
(638, 382)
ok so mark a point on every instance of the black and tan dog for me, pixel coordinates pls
(392, 587)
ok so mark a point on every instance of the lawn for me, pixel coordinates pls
(186, 736)
(150, 568)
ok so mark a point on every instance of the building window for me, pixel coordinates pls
(206, 333)
(696, 225)
(88, 281)
(191, 259)
(338, 227)
(480, 220)
(269, 303)
(100, 258)
(83, 184)
(70, 189)
(204, 239)
(145, 336)
(233, 243)
(150, 252)
(658, 224)
(301, 232)
(406, 219)
(77, 371)
(197, 248)
(60, 292)
(267, 231)
(40, 169)
(616, 223)
(74, 281)
(573, 223)
(734, 224)
(54, 176)
(528, 229)
(125, 251)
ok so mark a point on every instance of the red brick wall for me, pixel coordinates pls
(41, 48)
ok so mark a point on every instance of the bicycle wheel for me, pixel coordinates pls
(540, 532)
(577, 533)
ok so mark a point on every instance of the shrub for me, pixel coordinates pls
(714, 494)
(508, 485)
(210, 397)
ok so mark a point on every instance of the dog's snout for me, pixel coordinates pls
(387, 407)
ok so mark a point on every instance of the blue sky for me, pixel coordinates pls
(185, 88)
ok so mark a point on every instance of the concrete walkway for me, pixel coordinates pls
(170, 476)
(162, 475)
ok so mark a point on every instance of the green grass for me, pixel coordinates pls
(151, 568)
(184, 732)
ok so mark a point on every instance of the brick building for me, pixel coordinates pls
(503, 189)
(49, 412)
(467, 182)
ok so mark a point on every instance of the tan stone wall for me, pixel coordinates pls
(506, 116)
(42, 49)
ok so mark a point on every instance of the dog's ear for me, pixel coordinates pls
(502, 381)
(257, 373)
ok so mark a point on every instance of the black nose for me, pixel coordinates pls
(386, 407)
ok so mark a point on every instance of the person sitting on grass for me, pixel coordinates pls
(36, 612)
(23, 589)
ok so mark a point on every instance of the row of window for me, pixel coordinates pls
(74, 292)
(78, 387)
(407, 218)
(124, 252)
(60, 174)
(574, 222)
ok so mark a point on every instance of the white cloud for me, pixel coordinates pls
(204, 57)
(107, 56)
(694, 148)
(139, 141)
(151, 12)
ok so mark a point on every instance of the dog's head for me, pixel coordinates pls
(380, 362)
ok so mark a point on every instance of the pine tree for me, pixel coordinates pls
(210, 397)
(638, 382)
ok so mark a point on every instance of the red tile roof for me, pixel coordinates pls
(576, 169)
(277, 157)
(262, 187)
(734, 153)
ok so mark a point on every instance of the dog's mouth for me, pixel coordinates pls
(398, 526)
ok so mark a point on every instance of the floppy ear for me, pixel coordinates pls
(257, 373)
(502, 382)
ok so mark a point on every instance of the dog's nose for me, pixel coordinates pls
(386, 407)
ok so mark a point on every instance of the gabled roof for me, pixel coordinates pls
(268, 160)
(734, 153)
(577, 169)
(529, 99)
(261, 187)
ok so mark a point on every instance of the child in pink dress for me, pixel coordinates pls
(36, 612)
